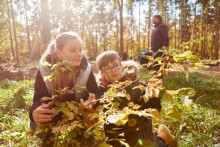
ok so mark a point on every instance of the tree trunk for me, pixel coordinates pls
(45, 19)
(216, 31)
(27, 27)
(139, 28)
(194, 27)
(120, 2)
(15, 33)
(9, 26)
(149, 24)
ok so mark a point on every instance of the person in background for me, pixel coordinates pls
(159, 40)
(159, 37)
(67, 50)
(112, 69)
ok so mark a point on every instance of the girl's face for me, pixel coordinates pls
(71, 52)
(113, 71)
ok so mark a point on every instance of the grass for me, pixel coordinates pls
(15, 101)
(198, 126)
(200, 123)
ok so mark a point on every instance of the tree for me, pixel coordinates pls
(45, 20)
(9, 28)
(15, 33)
(27, 27)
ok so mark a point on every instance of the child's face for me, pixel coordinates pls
(71, 52)
(113, 71)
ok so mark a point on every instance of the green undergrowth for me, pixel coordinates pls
(199, 123)
(15, 101)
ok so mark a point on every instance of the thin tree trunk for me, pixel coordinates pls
(139, 27)
(194, 27)
(216, 31)
(15, 33)
(120, 2)
(175, 29)
(117, 34)
(149, 24)
(27, 28)
(9, 26)
(45, 18)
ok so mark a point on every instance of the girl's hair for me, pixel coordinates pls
(61, 39)
(106, 57)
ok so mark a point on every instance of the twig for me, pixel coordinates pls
(200, 97)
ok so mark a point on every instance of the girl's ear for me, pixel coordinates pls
(58, 52)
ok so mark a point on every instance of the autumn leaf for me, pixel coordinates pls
(132, 122)
(72, 106)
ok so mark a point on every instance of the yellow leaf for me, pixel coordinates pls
(155, 113)
(132, 122)
(72, 106)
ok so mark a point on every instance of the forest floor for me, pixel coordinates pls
(206, 72)
(28, 71)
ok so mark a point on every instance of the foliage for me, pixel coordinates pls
(15, 100)
(80, 127)
(199, 122)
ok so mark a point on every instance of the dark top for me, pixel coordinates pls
(159, 37)
(40, 90)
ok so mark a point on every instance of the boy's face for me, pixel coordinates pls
(113, 71)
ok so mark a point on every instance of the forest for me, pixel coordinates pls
(192, 81)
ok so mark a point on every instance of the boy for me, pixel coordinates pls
(112, 70)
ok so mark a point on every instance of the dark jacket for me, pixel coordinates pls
(159, 37)
(40, 91)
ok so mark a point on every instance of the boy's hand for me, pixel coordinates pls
(43, 114)
(89, 103)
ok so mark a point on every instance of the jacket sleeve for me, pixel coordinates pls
(40, 90)
(164, 31)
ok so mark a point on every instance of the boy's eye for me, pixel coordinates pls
(116, 66)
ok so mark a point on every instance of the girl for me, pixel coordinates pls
(62, 54)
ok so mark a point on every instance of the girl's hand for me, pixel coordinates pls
(43, 114)
(89, 103)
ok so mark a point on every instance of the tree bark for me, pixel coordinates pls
(15, 33)
(27, 27)
(120, 2)
(45, 19)
(10, 33)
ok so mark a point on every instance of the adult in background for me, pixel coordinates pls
(159, 40)
(159, 37)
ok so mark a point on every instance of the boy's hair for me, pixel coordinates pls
(106, 57)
